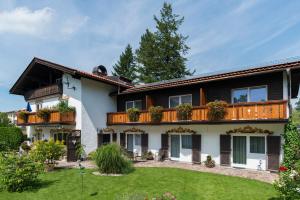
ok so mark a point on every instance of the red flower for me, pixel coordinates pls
(283, 168)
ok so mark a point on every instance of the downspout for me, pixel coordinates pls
(289, 90)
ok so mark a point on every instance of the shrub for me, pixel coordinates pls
(47, 152)
(18, 173)
(133, 114)
(147, 156)
(288, 184)
(25, 147)
(10, 138)
(110, 160)
(44, 113)
(216, 110)
(210, 163)
(291, 147)
(184, 111)
(23, 115)
(156, 113)
(63, 107)
(91, 155)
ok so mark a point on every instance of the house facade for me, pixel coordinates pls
(248, 137)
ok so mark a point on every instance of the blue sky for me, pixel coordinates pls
(83, 34)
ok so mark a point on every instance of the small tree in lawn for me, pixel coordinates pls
(126, 65)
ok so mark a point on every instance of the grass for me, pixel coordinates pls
(184, 184)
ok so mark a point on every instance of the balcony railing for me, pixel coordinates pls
(271, 110)
(44, 91)
(55, 118)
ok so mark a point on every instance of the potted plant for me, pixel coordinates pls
(44, 113)
(133, 114)
(210, 163)
(22, 115)
(63, 107)
(216, 110)
(184, 111)
(156, 113)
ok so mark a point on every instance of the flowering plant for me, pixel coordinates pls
(283, 168)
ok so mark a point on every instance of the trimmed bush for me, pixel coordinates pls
(184, 111)
(156, 113)
(210, 163)
(10, 138)
(18, 173)
(110, 160)
(133, 114)
(216, 110)
(44, 113)
(47, 152)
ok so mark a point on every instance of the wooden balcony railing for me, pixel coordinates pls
(271, 110)
(55, 118)
(44, 91)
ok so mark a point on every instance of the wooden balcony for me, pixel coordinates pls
(55, 118)
(44, 91)
(258, 111)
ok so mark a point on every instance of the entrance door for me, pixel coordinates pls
(130, 142)
(73, 140)
(225, 149)
(175, 146)
(239, 150)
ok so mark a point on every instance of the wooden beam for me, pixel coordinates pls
(202, 97)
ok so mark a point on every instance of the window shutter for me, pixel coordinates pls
(164, 141)
(273, 151)
(114, 137)
(122, 139)
(196, 148)
(225, 149)
(144, 143)
(100, 140)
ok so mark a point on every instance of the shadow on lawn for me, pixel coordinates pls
(42, 184)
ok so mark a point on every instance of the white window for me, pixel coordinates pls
(181, 99)
(137, 139)
(249, 94)
(186, 141)
(134, 104)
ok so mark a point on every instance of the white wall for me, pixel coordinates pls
(210, 140)
(47, 102)
(96, 102)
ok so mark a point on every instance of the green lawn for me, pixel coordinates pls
(66, 184)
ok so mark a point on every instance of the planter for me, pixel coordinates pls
(133, 114)
(49, 167)
(184, 112)
(216, 110)
(156, 114)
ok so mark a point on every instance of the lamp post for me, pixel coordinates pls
(81, 168)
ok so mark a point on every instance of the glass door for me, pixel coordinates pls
(175, 146)
(239, 150)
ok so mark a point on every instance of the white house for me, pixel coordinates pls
(249, 136)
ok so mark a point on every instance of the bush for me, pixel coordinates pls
(156, 113)
(210, 163)
(47, 152)
(216, 110)
(291, 147)
(25, 147)
(10, 138)
(44, 113)
(133, 114)
(148, 156)
(63, 107)
(91, 155)
(18, 173)
(184, 111)
(110, 160)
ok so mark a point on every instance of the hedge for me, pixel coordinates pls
(10, 138)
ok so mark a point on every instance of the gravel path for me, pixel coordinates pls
(264, 176)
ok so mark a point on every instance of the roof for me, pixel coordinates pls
(71, 71)
(219, 75)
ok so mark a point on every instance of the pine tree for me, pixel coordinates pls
(126, 65)
(161, 54)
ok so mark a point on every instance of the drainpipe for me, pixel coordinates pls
(289, 83)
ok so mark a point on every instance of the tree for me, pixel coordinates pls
(4, 120)
(126, 65)
(161, 54)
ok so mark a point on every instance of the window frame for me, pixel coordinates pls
(133, 103)
(248, 93)
(264, 152)
(180, 101)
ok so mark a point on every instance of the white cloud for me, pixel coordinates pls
(72, 25)
(22, 20)
(244, 6)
